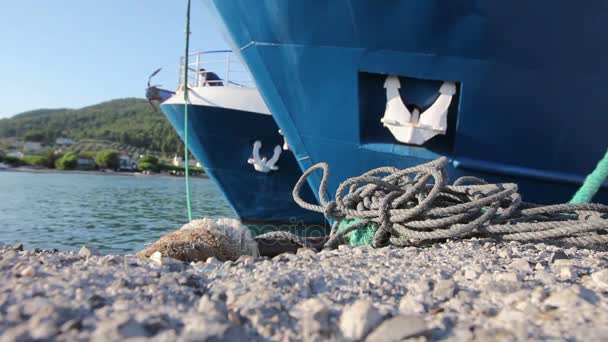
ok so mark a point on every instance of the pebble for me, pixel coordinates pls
(567, 273)
(73, 324)
(452, 291)
(508, 277)
(444, 289)
(118, 329)
(409, 304)
(205, 329)
(473, 271)
(563, 262)
(399, 328)
(28, 271)
(520, 265)
(313, 315)
(160, 260)
(211, 307)
(557, 255)
(358, 319)
(570, 298)
(86, 252)
(600, 278)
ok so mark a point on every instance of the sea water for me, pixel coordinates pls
(115, 214)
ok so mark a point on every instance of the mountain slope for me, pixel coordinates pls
(128, 121)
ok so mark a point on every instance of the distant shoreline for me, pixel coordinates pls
(98, 173)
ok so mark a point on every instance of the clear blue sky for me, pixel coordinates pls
(74, 53)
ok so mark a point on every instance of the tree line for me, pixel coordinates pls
(127, 121)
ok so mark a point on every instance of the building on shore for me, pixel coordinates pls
(32, 146)
(62, 141)
(126, 162)
(16, 154)
(179, 161)
(86, 163)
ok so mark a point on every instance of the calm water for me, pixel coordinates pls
(116, 214)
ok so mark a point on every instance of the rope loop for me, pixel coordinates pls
(416, 206)
(330, 209)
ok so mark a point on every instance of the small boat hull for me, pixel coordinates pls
(222, 140)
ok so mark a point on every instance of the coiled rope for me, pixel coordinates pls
(416, 206)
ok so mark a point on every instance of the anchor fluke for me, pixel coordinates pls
(262, 164)
(414, 127)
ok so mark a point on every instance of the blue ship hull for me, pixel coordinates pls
(222, 139)
(531, 83)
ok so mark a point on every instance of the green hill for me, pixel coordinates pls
(130, 122)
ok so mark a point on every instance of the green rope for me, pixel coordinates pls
(186, 106)
(358, 237)
(593, 182)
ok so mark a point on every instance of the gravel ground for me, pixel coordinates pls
(455, 291)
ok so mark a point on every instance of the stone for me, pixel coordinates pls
(444, 289)
(118, 329)
(164, 336)
(563, 262)
(399, 328)
(72, 324)
(28, 271)
(211, 307)
(110, 260)
(521, 265)
(37, 305)
(208, 329)
(504, 253)
(19, 333)
(18, 247)
(409, 304)
(485, 279)
(494, 335)
(313, 315)
(43, 330)
(212, 260)
(473, 271)
(156, 323)
(570, 298)
(14, 313)
(510, 316)
(508, 277)
(557, 255)
(157, 258)
(567, 273)
(86, 252)
(97, 301)
(600, 279)
(537, 295)
(160, 260)
(421, 286)
(544, 276)
(358, 319)
(246, 259)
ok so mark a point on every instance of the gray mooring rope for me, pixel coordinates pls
(415, 206)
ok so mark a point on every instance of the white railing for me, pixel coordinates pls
(223, 64)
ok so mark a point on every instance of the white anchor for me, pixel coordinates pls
(415, 128)
(261, 164)
(285, 144)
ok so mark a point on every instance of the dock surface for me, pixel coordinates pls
(455, 291)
